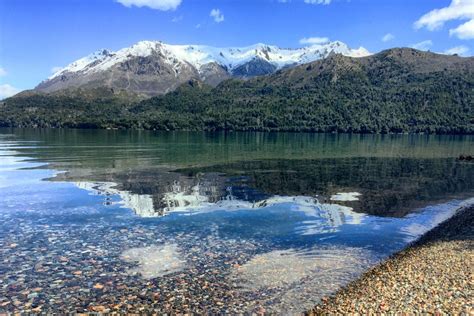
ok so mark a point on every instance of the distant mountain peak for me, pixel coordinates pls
(147, 66)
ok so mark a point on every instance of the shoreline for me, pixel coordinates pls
(225, 130)
(434, 274)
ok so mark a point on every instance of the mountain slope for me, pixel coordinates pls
(154, 68)
(398, 90)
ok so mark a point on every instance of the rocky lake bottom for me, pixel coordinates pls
(211, 241)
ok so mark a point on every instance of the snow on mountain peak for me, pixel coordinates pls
(80, 64)
(200, 55)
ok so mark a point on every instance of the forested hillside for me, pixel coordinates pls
(398, 90)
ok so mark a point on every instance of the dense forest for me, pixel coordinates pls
(395, 91)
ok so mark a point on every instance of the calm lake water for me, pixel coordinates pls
(223, 222)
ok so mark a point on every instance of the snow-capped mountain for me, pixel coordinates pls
(152, 67)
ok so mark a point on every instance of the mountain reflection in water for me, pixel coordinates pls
(246, 220)
(387, 186)
(327, 216)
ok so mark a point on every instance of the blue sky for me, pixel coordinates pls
(38, 35)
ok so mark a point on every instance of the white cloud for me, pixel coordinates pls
(459, 50)
(3, 72)
(7, 90)
(177, 19)
(55, 69)
(318, 1)
(424, 45)
(163, 5)
(457, 10)
(314, 40)
(198, 26)
(217, 15)
(388, 37)
(464, 31)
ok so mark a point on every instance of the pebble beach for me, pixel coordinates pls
(433, 275)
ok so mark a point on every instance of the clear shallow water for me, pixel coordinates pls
(93, 220)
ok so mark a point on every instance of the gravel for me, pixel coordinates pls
(433, 275)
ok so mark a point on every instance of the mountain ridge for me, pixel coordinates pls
(153, 67)
(400, 90)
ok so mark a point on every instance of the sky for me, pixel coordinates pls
(37, 37)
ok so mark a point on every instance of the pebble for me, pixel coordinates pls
(432, 276)
(79, 269)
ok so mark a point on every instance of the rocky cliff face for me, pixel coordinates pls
(154, 68)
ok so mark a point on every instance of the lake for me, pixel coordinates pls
(94, 220)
